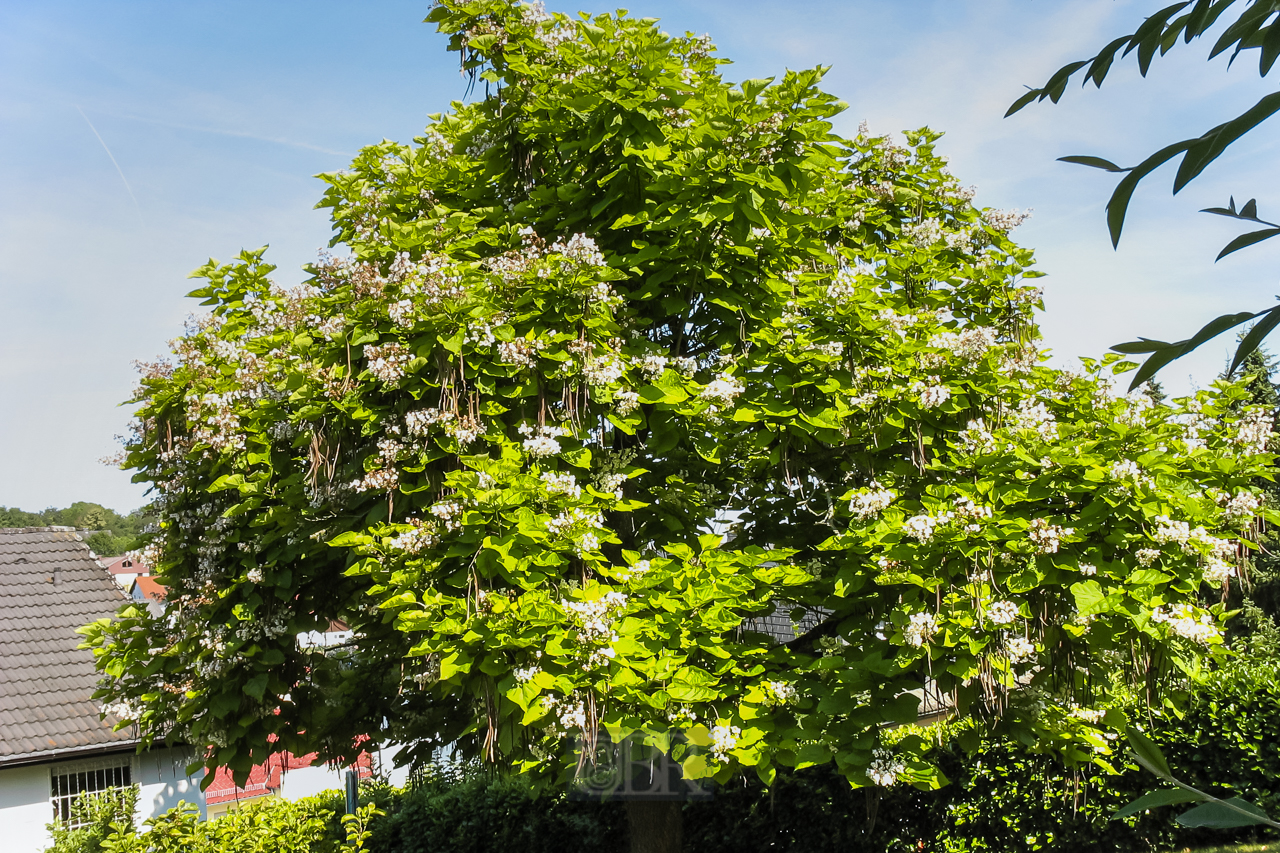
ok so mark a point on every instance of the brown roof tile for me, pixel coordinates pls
(50, 584)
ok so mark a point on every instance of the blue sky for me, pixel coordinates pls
(216, 115)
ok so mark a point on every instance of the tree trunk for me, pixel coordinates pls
(657, 826)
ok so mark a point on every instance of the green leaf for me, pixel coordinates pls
(1253, 339)
(1224, 814)
(1118, 205)
(1148, 754)
(256, 686)
(1095, 162)
(1208, 147)
(1155, 799)
(1245, 240)
(1166, 353)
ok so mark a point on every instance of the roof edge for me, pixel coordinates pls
(53, 529)
(51, 755)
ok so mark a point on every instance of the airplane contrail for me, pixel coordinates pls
(120, 171)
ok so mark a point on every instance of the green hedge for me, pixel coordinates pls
(1002, 798)
(473, 813)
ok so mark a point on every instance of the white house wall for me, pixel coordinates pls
(25, 809)
(309, 781)
(164, 782)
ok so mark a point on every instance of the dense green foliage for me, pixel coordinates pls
(457, 809)
(95, 817)
(112, 533)
(1003, 797)
(1257, 628)
(613, 307)
(307, 826)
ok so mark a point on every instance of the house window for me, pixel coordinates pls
(68, 781)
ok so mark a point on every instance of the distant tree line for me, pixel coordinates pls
(110, 533)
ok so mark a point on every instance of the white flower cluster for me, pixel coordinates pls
(974, 513)
(541, 442)
(976, 438)
(968, 344)
(480, 334)
(923, 233)
(526, 674)
(920, 627)
(465, 429)
(1184, 621)
(723, 739)
(610, 475)
(378, 480)
(870, 500)
(1093, 716)
(126, 709)
(1036, 418)
(1003, 612)
(652, 366)
(684, 365)
(932, 393)
(449, 513)
(1240, 508)
(1126, 470)
(845, 284)
(1191, 541)
(626, 402)
(1005, 220)
(921, 527)
(635, 571)
(574, 518)
(1255, 431)
(1147, 556)
(580, 249)
(522, 352)
(1019, 649)
(1046, 537)
(1218, 571)
(885, 768)
(1136, 406)
(417, 540)
(722, 391)
(780, 692)
(898, 322)
(569, 711)
(561, 484)
(1088, 569)
(603, 370)
(596, 619)
(388, 361)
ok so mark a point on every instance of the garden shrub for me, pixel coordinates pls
(469, 811)
(1002, 797)
(269, 824)
(94, 814)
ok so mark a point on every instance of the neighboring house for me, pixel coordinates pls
(282, 775)
(125, 569)
(53, 742)
(148, 589)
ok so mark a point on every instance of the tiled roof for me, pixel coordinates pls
(124, 565)
(145, 588)
(50, 584)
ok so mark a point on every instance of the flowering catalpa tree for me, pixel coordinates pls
(613, 362)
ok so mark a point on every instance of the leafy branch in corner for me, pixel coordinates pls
(1212, 812)
(1255, 29)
